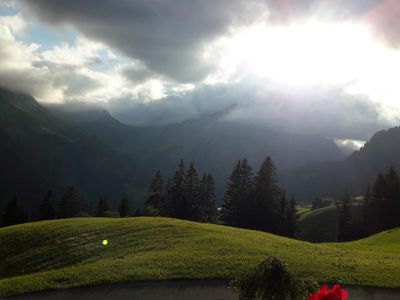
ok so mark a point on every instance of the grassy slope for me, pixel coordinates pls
(302, 209)
(321, 225)
(68, 253)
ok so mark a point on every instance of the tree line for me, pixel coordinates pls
(257, 202)
(250, 201)
(69, 205)
(184, 196)
(253, 202)
(380, 209)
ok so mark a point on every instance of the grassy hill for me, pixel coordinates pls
(320, 225)
(69, 253)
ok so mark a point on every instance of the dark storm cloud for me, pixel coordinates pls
(167, 36)
(137, 74)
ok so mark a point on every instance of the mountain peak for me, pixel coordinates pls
(226, 111)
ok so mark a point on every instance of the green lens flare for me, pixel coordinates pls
(105, 242)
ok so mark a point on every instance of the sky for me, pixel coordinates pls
(327, 67)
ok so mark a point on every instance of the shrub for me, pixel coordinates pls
(271, 280)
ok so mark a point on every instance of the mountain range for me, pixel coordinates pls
(49, 147)
(349, 176)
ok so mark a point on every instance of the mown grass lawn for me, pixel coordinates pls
(69, 253)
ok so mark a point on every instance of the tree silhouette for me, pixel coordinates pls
(47, 211)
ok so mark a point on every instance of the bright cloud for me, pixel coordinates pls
(328, 67)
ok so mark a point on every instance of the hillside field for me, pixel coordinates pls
(321, 225)
(69, 253)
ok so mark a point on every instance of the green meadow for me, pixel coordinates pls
(70, 253)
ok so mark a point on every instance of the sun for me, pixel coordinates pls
(303, 53)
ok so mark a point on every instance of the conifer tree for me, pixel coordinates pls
(177, 205)
(124, 207)
(238, 206)
(192, 193)
(379, 204)
(207, 205)
(267, 196)
(367, 210)
(210, 211)
(47, 211)
(102, 207)
(344, 226)
(392, 217)
(246, 205)
(14, 212)
(70, 203)
(291, 218)
(282, 226)
(229, 208)
(154, 202)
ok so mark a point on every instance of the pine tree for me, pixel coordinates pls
(344, 226)
(392, 218)
(177, 205)
(246, 205)
(192, 193)
(154, 202)
(47, 211)
(238, 207)
(267, 196)
(291, 218)
(282, 226)
(14, 212)
(367, 211)
(124, 208)
(70, 203)
(229, 208)
(102, 207)
(207, 204)
(380, 204)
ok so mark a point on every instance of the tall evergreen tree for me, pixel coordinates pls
(192, 193)
(102, 207)
(178, 206)
(267, 196)
(47, 211)
(392, 215)
(155, 200)
(237, 207)
(14, 212)
(246, 203)
(282, 226)
(207, 204)
(379, 204)
(124, 207)
(70, 203)
(367, 211)
(229, 208)
(291, 218)
(344, 215)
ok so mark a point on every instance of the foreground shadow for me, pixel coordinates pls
(180, 290)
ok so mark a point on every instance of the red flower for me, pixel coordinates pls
(336, 293)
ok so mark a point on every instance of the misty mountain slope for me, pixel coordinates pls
(47, 153)
(212, 143)
(350, 175)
